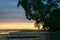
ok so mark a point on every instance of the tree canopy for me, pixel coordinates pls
(53, 22)
(46, 11)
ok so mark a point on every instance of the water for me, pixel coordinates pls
(31, 35)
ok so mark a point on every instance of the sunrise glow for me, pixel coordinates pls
(17, 26)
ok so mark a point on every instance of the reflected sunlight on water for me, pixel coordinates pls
(24, 35)
(30, 35)
(7, 32)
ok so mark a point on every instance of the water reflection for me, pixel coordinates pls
(7, 32)
(32, 35)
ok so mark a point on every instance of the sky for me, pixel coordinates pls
(12, 17)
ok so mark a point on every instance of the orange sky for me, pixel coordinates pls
(17, 26)
(12, 17)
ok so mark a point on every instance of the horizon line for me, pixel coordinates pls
(16, 29)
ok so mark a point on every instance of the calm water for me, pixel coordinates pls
(31, 35)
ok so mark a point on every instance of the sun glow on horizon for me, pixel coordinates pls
(17, 26)
(4, 26)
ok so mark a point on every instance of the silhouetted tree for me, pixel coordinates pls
(40, 11)
(53, 22)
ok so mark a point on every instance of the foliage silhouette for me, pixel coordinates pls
(53, 22)
(42, 11)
